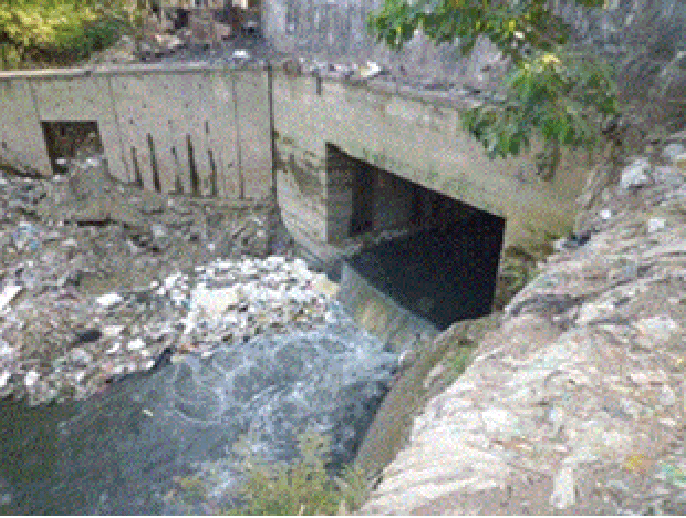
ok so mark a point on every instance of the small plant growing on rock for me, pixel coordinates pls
(191, 489)
(301, 488)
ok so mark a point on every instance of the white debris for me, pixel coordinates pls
(81, 356)
(656, 224)
(215, 302)
(113, 349)
(159, 231)
(636, 175)
(113, 330)
(136, 344)
(370, 70)
(170, 281)
(31, 378)
(7, 294)
(241, 54)
(109, 300)
(667, 396)
(4, 378)
(563, 488)
(673, 150)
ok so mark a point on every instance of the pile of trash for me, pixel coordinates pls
(70, 345)
(99, 279)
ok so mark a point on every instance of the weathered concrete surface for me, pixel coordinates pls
(20, 134)
(575, 405)
(652, 31)
(205, 129)
(417, 139)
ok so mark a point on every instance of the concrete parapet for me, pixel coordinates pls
(198, 129)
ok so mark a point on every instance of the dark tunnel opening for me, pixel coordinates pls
(67, 140)
(445, 267)
(444, 274)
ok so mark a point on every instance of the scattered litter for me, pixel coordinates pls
(636, 175)
(241, 54)
(370, 70)
(656, 224)
(135, 345)
(563, 495)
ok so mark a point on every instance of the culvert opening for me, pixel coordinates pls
(444, 268)
(67, 140)
(366, 199)
(443, 274)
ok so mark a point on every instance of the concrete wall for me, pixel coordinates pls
(174, 118)
(208, 128)
(416, 139)
(392, 201)
(391, 198)
(334, 30)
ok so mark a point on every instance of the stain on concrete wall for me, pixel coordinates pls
(300, 191)
(415, 139)
(190, 129)
(21, 133)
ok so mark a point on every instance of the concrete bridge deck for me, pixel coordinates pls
(348, 157)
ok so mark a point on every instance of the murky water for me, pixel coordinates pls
(445, 275)
(119, 453)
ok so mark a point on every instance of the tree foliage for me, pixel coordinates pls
(57, 31)
(562, 97)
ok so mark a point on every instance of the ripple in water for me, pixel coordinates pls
(119, 454)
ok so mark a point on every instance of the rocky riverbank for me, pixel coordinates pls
(575, 403)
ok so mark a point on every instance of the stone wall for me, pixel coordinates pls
(336, 31)
(202, 130)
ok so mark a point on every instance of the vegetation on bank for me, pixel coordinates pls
(303, 488)
(43, 33)
(551, 94)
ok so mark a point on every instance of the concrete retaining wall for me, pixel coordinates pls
(204, 129)
(336, 31)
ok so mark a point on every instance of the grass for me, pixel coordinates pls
(303, 487)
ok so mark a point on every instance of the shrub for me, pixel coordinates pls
(57, 31)
(303, 487)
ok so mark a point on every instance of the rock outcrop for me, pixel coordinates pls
(576, 403)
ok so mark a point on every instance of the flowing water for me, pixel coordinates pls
(124, 452)
(120, 453)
